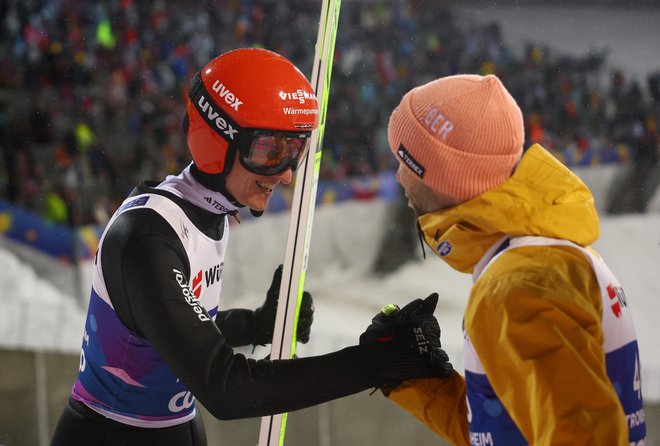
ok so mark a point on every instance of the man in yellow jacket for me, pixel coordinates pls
(550, 353)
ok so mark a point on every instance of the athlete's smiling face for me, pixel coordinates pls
(251, 189)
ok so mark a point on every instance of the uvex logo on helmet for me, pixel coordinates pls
(224, 93)
(213, 116)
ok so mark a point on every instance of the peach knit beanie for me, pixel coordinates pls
(461, 135)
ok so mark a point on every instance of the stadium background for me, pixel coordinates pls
(91, 98)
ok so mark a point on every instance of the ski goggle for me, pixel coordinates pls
(271, 152)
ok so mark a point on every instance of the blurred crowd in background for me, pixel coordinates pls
(92, 93)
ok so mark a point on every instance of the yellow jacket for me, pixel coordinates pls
(533, 317)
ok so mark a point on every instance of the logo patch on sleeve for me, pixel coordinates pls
(140, 201)
(411, 162)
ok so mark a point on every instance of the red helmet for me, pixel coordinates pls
(251, 100)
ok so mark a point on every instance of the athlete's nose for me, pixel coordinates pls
(286, 176)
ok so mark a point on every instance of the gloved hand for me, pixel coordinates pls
(264, 316)
(407, 342)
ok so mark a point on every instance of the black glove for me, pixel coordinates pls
(407, 343)
(264, 316)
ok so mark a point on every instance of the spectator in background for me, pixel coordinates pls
(56, 208)
(7, 181)
(125, 65)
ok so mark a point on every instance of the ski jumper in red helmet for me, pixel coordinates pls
(253, 101)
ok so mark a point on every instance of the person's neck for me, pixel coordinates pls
(203, 190)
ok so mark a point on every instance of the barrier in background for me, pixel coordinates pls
(67, 245)
(58, 241)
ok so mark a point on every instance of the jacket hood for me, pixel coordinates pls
(542, 198)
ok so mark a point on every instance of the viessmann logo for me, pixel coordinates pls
(298, 95)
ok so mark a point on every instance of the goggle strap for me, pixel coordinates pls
(212, 113)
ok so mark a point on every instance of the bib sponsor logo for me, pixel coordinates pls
(181, 401)
(229, 97)
(636, 418)
(617, 299)
(210, 276)
(190, 298)
(197, 284)
(481, 439)
(411, 162)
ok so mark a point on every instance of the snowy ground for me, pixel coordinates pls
(35, 314)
